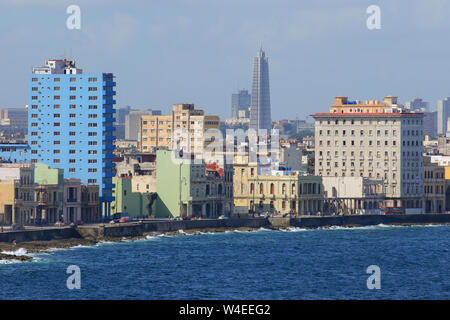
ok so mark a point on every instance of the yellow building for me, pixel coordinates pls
(280, 192)
(436, 177)
(17, 199)
(158, 131)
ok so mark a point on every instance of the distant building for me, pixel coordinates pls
(122, 114)
(240, 102)
(133, 122)
(443, 113)
(160, 131)
(260, 116)
(14, 118)
(416, 104)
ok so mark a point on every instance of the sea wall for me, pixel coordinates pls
(138, 229)
(39, 235)
(160, 226)
(367, 220)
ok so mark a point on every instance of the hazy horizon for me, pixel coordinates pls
(202, 51)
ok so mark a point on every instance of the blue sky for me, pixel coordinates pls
(201, 51)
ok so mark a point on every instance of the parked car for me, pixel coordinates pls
(59, 224)
(177, 218)
(223, 217)
(125, 219)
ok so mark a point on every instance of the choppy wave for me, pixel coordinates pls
(295, 229)
(18, 252)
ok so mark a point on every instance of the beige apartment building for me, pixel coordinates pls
(160, 131)
(375, 140)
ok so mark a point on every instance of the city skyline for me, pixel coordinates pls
(297, 35)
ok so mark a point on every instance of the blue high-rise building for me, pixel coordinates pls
(70, 123)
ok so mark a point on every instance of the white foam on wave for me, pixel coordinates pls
(10, 261)
(295, 229)
(18, 252)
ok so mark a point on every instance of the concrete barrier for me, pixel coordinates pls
(39, 235)
(368, 220)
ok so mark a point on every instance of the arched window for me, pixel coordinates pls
(272, 188)
(252, 188)
(293, 188)
(261, 188)
(283, 188)
(207, 190)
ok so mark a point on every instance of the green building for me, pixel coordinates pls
(186, 188)
(135, 204)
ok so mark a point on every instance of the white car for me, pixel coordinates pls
(223, 217)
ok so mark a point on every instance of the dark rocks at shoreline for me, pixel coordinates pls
(40, 246)
(4, 256)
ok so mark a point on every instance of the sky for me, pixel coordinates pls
(201, 51)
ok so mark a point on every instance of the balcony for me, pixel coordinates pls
(109, 156)
(109, 165)
(109, 147)
(109, 83)
(109, 137)
(108, 174)
(108, 185)
(109, 119)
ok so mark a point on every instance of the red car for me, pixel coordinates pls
(125, 219)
